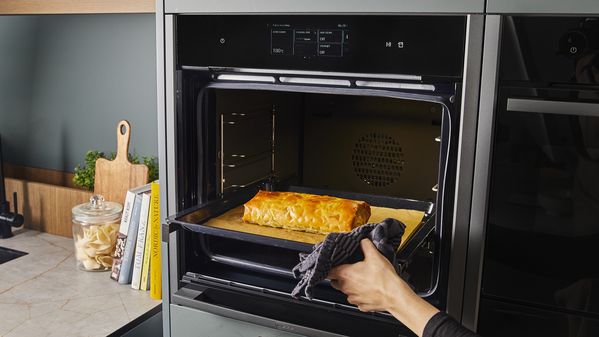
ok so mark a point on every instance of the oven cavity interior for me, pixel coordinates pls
(363, 144)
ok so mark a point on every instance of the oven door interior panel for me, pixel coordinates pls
(543, 228)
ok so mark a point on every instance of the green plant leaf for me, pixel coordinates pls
(84, 175)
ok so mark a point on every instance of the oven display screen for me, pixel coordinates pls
(309, 42)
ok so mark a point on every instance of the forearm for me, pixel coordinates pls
(408, 307)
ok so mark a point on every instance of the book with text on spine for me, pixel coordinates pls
(121, 239)
(155, 259)
(130, 218)
(145, 268)
(127, 262)
(141, 241)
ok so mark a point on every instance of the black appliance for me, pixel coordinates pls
(540, 274)
(362, 107)
(8, 219)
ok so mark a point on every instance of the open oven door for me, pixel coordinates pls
(390, 143)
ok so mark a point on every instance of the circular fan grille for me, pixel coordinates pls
(377, 159)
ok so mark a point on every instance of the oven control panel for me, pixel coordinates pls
(307, 42)
(420, 45)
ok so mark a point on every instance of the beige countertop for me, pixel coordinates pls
(44, 294)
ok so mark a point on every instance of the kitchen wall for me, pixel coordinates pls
(66, 81)
(17, 58)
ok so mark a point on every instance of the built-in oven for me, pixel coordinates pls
(359, 107)
(540, 273)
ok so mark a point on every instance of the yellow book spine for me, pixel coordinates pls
(155, 258)
(145, 267)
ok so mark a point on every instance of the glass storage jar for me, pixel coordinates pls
(95, 228)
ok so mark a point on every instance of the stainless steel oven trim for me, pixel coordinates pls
(314, 81)
(171, 249)
(167, 169)
(540, 7)
(251, 78)
(169, 185)
(333, 82)
(465, 164)
(318, 7)
(488, 97)
(432, 98)
(395, 85)
(272, 78)
(164, 31)
(553, 107)
(305, 72)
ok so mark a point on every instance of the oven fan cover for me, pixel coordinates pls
(378, 159)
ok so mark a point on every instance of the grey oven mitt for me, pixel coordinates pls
(341, 248)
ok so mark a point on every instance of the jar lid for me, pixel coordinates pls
(97, 210)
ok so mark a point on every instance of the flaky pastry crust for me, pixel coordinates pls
(306, 212)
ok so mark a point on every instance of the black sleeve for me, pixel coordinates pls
(441, 325)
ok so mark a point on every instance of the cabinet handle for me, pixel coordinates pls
(553, 107)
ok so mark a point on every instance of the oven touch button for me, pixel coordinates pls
(305, 43)
(329, 49)
(330, 42)
(331, 36)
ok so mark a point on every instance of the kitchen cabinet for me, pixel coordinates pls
(20, 7)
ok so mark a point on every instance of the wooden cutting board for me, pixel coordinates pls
(231, 220)
(114, 177)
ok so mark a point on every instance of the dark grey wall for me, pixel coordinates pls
(17, 58)
(77, 76)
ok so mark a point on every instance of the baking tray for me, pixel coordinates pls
(222, 218)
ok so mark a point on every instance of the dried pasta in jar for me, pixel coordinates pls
(95, 228)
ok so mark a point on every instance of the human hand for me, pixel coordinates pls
(373, 285)
(370, 284)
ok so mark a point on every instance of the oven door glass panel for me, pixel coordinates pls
(543, 217)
